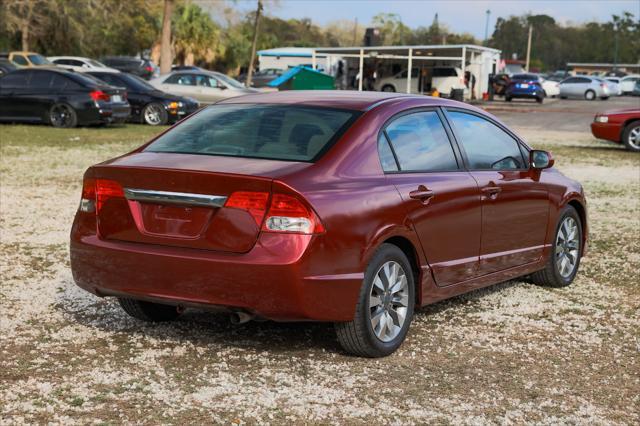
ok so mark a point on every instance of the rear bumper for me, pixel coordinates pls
(607, 131)
(273, 280)
(525, 94)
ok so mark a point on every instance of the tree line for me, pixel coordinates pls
(217, 36)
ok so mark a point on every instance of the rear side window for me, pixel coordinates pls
(487, 146)
(278, 132)
(182, 79)
(444, 72)
(40, 79)
(421, 143)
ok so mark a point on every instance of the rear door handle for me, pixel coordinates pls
(423, 194)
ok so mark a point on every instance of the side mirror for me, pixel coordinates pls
(539, 159)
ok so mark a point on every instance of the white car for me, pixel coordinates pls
(80, 64)
(551, 88)
(204, 86)
(615, 89)
(627, 83)
(443, 79)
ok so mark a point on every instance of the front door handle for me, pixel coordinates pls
(423, 194)
(492, 190)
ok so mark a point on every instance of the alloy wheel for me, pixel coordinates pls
(61, 115)
(388, 301)
(567, 248)
(153, 114)
(634, 138)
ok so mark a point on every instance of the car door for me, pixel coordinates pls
(38, 95)
(442, 200)
(12, 102)
(515, 205)
(209, 88)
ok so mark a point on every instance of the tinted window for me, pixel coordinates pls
(444, 72)
(38, 60)
(414, 73)
(387, 160)
(15, 79)
(109, 79)
(421, 143)
(206, 81)
(487, 146)
(60, 82)
(182, 79)
(20, 60)
(583, 80)
(40, 79)
(279, 132)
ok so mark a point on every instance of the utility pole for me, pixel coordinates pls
(615, 55)
(486, 28)
(165, 41)
(254, 43)
(529, 48)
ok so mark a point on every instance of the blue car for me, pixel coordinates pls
(527, 86)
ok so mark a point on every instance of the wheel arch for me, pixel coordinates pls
(409, 250)
(624, 125)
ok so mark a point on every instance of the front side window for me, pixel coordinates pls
(487, 146)
(181, 79)
(421, 143)
(38, 59)
(279, 132)
(387, 160)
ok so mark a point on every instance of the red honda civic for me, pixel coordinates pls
(621, 126)
(349, 207)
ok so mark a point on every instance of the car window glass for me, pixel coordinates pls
(421, 143)
(14, 80)
(487, 146)
(387, 160)
(20, 60)
(40, 80)
(59, 82)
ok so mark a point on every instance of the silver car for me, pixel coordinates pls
(584, 87)
(614, 86)
(204, 86)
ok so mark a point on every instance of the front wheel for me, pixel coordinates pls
(155, 114)
(385, 306)
(631, 136)
(562, 265)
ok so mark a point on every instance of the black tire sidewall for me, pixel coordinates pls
(386, 253)
(165, 115)
(625, 135)
(567, 212)
(388, 86)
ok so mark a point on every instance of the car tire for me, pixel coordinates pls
(631, 136)
(563, 97)
(62, 115)
(155, 114)
(540, 100)
(148, 311)
(604, 98)
(388, 88)
(360, 336)
(590, 95)
(507, 98)
(567, 245)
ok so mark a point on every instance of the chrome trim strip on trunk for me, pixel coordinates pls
(183, 198)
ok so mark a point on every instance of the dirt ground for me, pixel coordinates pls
(511, 354)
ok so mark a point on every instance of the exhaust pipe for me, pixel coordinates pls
(240, 317)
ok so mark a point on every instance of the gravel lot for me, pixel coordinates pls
(510, 354)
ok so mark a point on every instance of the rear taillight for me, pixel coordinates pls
(253, 202)
(288, 214)
(96, 192)
(99, 95)
(149, 68)
(285, 213)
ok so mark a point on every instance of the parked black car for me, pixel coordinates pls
(6, 66)
(60, 98)
(144, 68)
(148, 104)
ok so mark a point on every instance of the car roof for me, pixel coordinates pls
(340, 99)
(79, 58)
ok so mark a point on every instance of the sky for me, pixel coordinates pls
(459, 15)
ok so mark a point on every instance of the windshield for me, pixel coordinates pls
(38, 59)
(278, 132)
(230, 81)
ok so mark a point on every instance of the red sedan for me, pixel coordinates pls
(621, 126)
(353, 208)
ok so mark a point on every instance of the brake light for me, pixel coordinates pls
(253, 202)
(288, 214)
(99, 95)
(149, 68)
(96, 192)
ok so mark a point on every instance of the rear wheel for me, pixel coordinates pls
(385, 307)
(388, 88)
(563, 263)
(62, 115)
(540, 100)
(148, 311)
(155, 114)
(590, 95)
(631, 136)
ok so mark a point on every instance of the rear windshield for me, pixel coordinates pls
(525, 77)
(278, 132)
